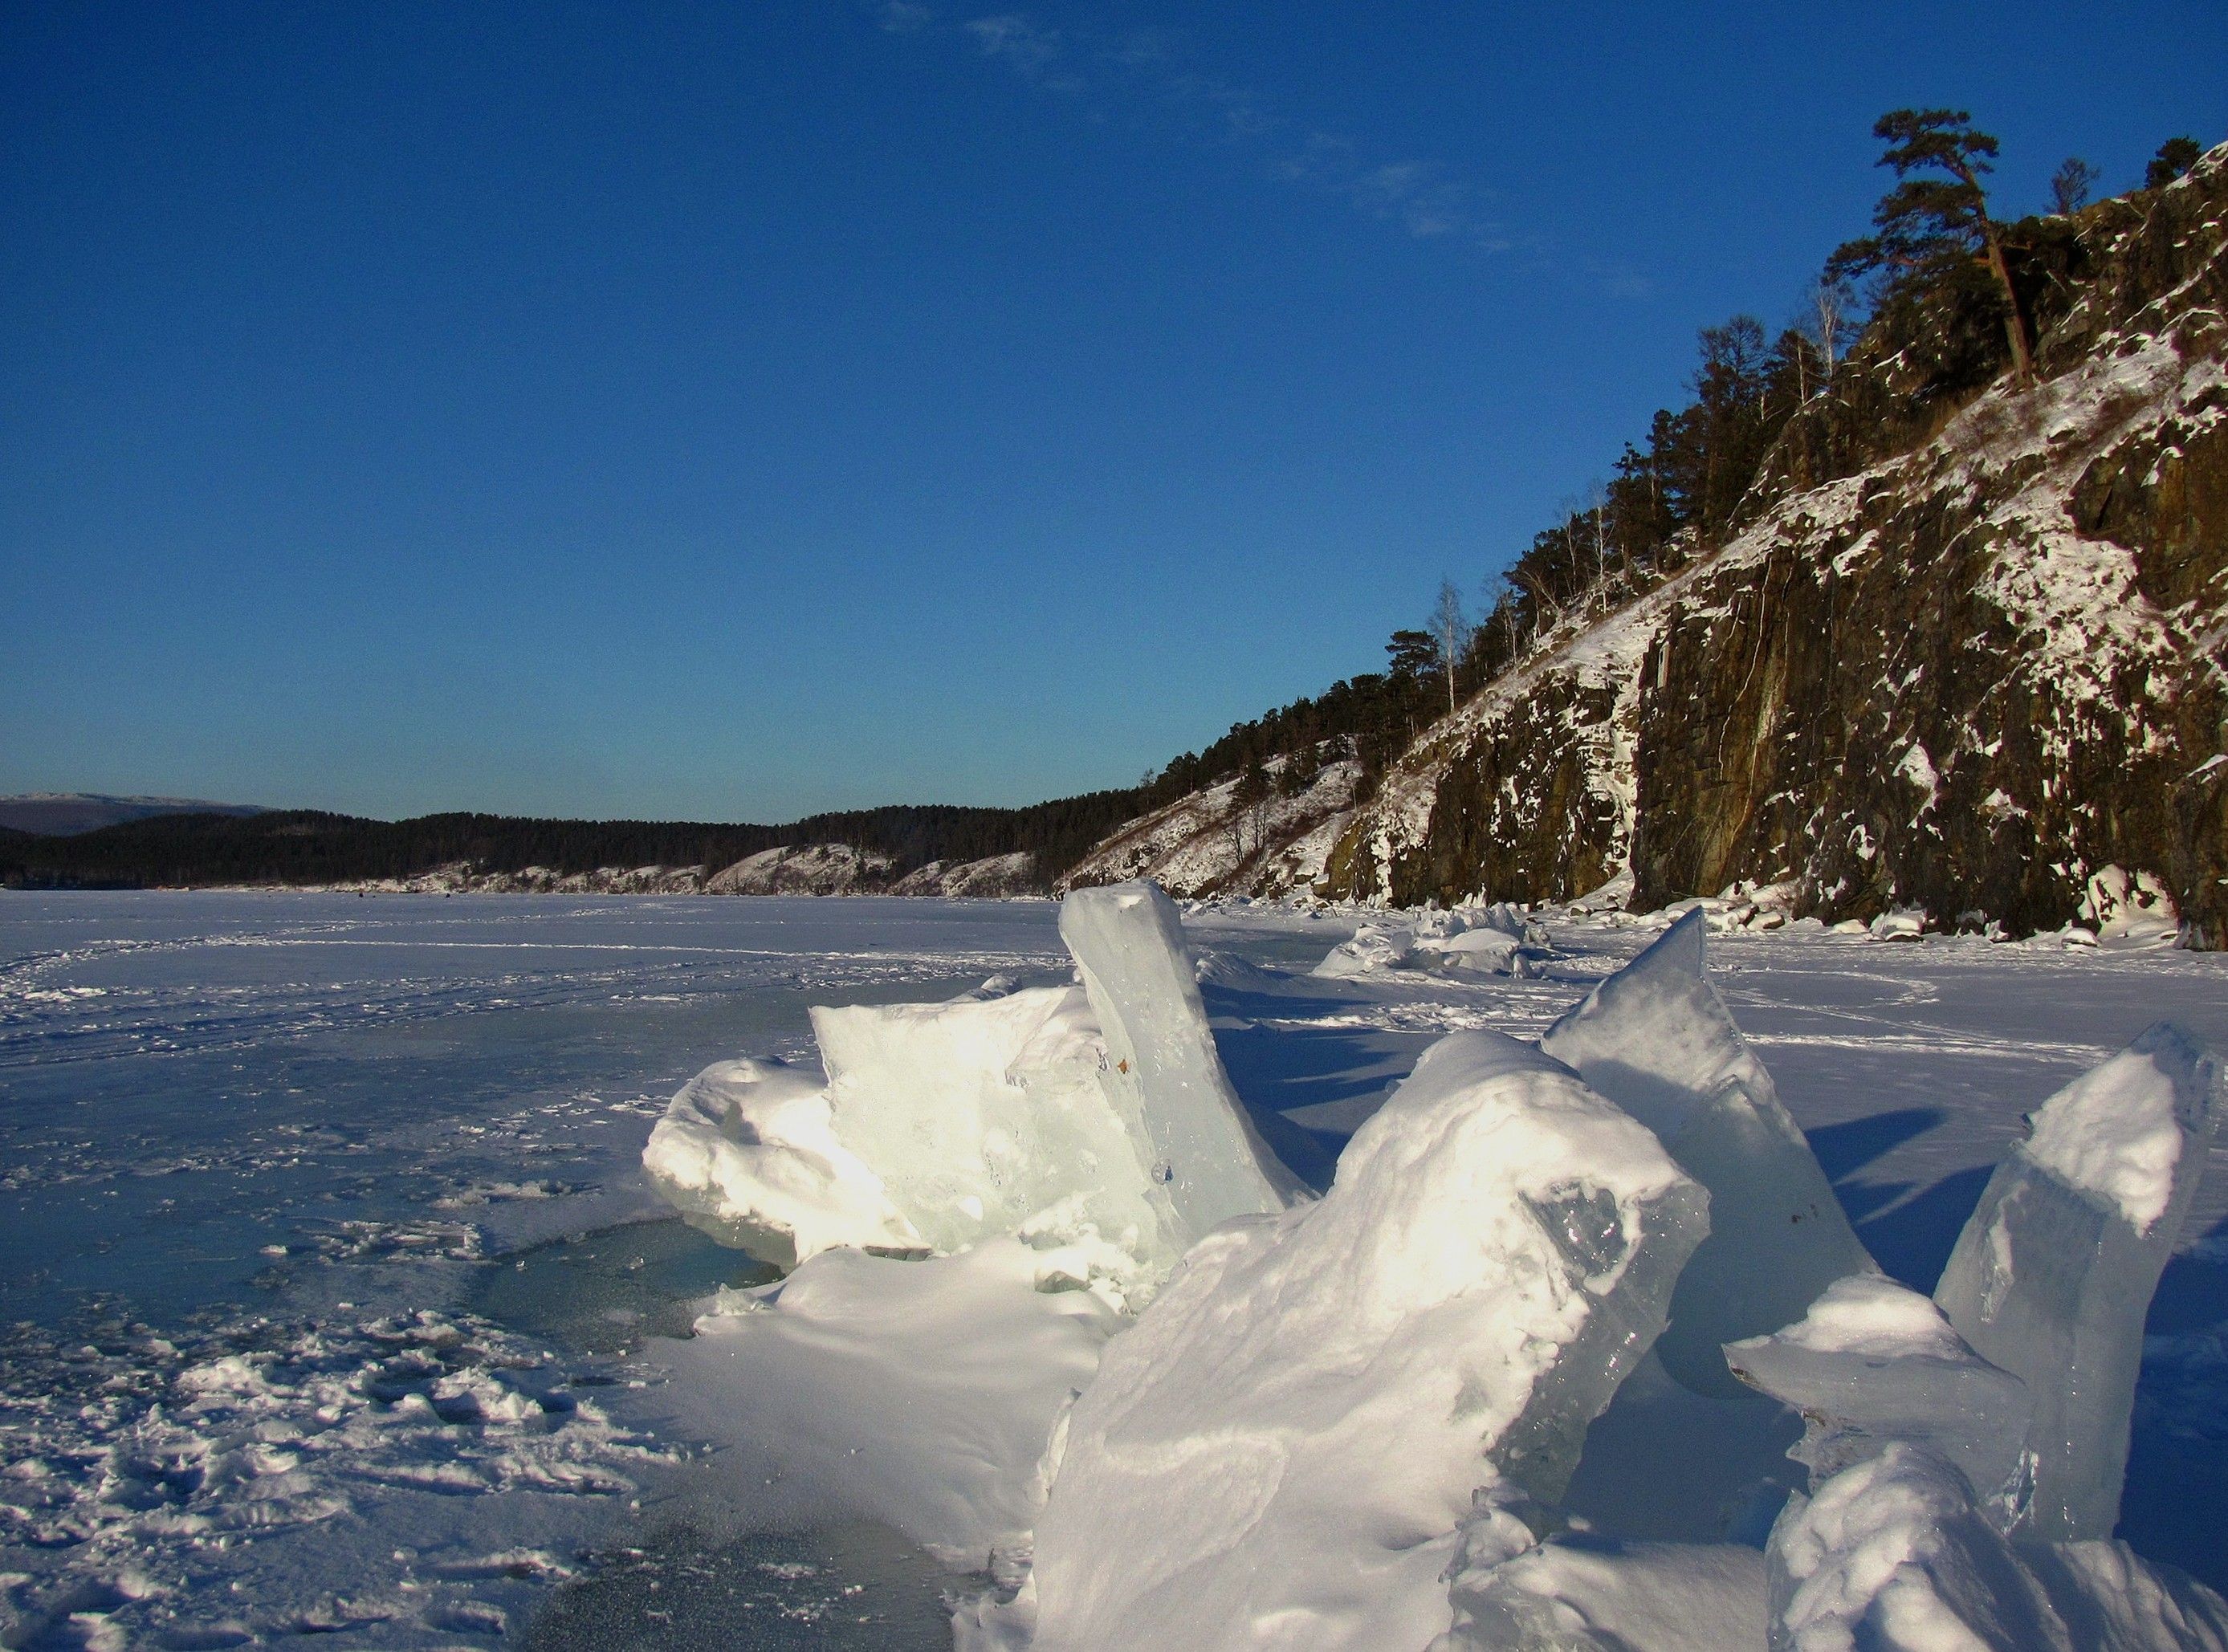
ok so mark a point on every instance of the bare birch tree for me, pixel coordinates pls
(1449, 628)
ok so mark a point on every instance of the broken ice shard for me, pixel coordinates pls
(2053, 1274)
(1283, 1447)
(748, 1152)
(1162, 1075)
(986, 1115)
(1874, 1361)
(1656, 1038)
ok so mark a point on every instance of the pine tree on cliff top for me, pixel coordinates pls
(1927, 223)
(2175, 157)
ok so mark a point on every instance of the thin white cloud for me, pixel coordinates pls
(1149, 67)
(1419, 195)
(1032, 52)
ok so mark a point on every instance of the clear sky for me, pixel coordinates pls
(728, 410)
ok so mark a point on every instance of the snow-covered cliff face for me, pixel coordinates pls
(1966, 677)
(1215, 841)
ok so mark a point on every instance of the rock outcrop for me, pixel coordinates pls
(1218, 841)
(1967, 676)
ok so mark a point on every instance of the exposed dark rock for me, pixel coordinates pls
(1969, 647)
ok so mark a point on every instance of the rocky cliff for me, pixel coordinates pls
(1219, 840)
(1968, 650)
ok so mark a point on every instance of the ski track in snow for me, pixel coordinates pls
(256, 1149)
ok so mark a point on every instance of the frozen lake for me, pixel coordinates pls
(335, 1292)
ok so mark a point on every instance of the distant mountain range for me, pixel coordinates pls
(65, 814)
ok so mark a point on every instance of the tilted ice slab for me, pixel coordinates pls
(1283, 1448)
(1163, 1078)
(2053, 1274)
(1656, 1038)
(1874, 1362)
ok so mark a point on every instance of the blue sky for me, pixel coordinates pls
(728, 410)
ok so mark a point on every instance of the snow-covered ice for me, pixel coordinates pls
(385, 1155)
(1656, 1039)
(2053, 1273)
(1894, 1553)
(1283, 1447)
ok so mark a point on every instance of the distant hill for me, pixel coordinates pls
(64, 814)
(926, 849)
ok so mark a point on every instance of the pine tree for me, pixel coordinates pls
(1928, 223)
(2175, 157)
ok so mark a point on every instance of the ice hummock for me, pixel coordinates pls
(1499, 938)
(1656, 1038)
(1096, 1122)
(748, 1152)
(1874, 1362)
(1163, 1076)
(1285, 1446)
(1371, 948)
(2053, 1274)
(985, 1112)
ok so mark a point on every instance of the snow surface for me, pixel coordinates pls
(1281, 1449)
(410, 1097)
(976, 1361)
